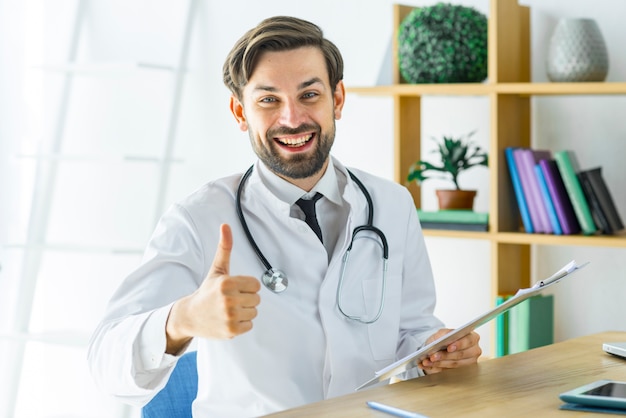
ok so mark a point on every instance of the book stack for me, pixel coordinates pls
(527, 325)
(454, 219)
(555, 197)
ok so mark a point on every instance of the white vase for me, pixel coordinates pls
(577, 52)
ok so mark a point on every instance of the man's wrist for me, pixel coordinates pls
(176, 340)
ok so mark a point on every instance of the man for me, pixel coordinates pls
(261, 349)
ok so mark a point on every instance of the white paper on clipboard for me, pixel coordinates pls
(412, 359)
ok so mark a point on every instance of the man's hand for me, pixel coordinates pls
(221, 308)
(459, 353)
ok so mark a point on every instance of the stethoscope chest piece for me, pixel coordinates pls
(275, 280)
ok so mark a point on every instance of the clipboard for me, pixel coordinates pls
(441, 343)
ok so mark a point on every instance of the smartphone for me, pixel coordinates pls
(604, 393)
(616, 348)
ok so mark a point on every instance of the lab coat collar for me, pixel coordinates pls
(347, 188)
(289, 193)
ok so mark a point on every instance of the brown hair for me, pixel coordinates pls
(280, 33)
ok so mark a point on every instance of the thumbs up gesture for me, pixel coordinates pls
(221, 308)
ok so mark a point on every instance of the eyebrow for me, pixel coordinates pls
(301, 86)
(310, 82)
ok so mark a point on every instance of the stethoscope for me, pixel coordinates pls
(277, 281)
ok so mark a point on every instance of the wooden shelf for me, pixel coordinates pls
(575, 240)
(484, 89)
(561, 89)
(509, 91)
(416, 90)
(445, 233)
(522, 238)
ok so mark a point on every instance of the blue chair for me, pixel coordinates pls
(174, 400)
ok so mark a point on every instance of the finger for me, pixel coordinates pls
(429, 367)
(248, 284)
(243, 327)
(243, 321)
(442, 356)
(248, 300)
(467, 342)
(247, 314)
(221, 261)
(448, 360)
(448, 364)
(454, 354)
(440, 333)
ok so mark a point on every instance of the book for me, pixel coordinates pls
(566, 162)
(454, 226)
(502, 328)
(547, 199)
(560, 199)
(597, 214)
(517, 189)
(453, 215)
(606, 199)
(526, 159)
(602, 200)
(531, 324)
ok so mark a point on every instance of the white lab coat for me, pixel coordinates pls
(301, 349)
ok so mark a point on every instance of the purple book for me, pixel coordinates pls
(560, 198)
(526, 159)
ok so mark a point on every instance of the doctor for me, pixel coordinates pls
(317, 325)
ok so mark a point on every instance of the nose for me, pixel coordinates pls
(292, 113)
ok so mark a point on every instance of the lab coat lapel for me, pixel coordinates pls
(342, 331)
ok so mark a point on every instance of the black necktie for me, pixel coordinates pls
(308, 207)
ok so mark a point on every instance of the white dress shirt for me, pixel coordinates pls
(301, 349)
(331, 211)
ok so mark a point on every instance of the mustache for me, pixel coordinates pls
(284, 130)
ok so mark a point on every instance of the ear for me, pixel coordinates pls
(339, 99)
(236, 107)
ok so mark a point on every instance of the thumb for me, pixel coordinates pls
(221, 261)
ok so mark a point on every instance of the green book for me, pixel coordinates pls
(566, 163)
(531, 324)
(502, 328)
(455, 226)
(453, 215)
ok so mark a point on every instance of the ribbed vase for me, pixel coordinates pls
(577, 52)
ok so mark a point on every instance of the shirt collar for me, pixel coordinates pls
(289, 193)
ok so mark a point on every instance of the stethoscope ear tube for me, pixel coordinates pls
(244, 224)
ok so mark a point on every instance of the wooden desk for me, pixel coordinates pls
(527, 384)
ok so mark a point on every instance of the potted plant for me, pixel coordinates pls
(444, 43)
(455, 156)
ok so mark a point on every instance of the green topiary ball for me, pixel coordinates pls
(444, 43)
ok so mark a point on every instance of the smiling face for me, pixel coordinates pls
(289, 110)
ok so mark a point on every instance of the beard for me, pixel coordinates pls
(296, 166)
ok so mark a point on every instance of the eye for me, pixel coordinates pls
(268, 100)
(310, 95)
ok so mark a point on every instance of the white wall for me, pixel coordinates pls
(104, 204)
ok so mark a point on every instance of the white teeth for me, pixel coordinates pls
(295, 142)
